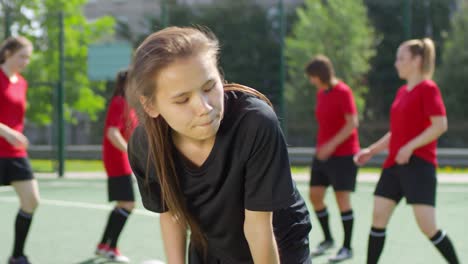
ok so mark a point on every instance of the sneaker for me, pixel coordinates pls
(19, 260)
(113, 254)
(343, 254)
(322, 247)
(101, 250)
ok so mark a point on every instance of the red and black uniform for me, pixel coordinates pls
(14, 164)
(332, 106)
(116, 162)
(410, 115)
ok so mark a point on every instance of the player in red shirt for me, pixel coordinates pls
(337, 142)
(417, 119)
(120, 122)
(15, 169)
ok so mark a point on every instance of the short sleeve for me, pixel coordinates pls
(268, 182)
(115, 113)
(150, 189)
(433, 104)
(348, 105)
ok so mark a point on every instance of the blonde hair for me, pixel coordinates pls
(426, 49)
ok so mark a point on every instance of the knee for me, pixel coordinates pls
(129, 206)
(428, 230)
(30, 204)
(316, 200)
(379, 218)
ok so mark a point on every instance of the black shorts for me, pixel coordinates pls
(120, 188)
(416, 181)
(15, 169)
(340, 172)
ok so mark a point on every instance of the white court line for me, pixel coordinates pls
(79, 205)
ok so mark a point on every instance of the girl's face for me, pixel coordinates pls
(190, 98)
(406, 64)
(19, 60)
(315, 81)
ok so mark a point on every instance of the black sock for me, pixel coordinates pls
(322, 216)
(22, 224)
(442, 242)
(118, 218)
(106, 236)
(376, 244)
(348, 219)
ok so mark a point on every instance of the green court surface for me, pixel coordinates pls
(73, 212)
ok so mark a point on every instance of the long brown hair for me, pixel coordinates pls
(426, 50)
(120, 83)
(157, 52)
(12, 45)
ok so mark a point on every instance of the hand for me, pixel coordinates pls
(325, 151)
(404, 154)
(363, 156)
(17, 140)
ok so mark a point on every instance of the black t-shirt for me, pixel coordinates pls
(248, 168)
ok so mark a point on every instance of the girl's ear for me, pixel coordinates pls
(149, 107)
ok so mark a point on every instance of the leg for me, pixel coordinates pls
(425, 217)
(317, 196)
(343, 199)
(28, 193)
(383, 210)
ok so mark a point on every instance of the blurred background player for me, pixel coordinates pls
(15, 169)
(337, 142)
(417, 120)
(120, 122)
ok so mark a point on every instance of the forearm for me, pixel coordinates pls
(174, 237)
(342, 135)
(4, 130)
(261, 240)
(428, 135)
(381, 144)
(116, 139)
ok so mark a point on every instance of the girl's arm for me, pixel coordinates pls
(174, 237)
(352, 122)
(116, 138)
(258, 230)
(366, 154)
(435, 130)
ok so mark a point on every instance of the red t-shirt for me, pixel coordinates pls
(330, 111)
(121, 116)
(410, 116)
(12, 110)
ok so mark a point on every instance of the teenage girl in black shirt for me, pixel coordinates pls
(211, 158)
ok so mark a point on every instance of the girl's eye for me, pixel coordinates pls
(183, 101)
(210, 88)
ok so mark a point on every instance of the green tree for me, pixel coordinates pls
(41, 25)
(340, 30)
(452, 75)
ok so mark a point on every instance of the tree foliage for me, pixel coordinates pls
(40, 23)
(452, 75)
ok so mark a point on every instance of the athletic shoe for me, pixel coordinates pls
(19, 260)
(101, 250)
(114, 255)
(343, 254)
(322, 247)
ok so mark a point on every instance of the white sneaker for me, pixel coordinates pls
(343, 254)
(114, 255)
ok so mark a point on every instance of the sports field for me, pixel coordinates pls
(73, 211)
